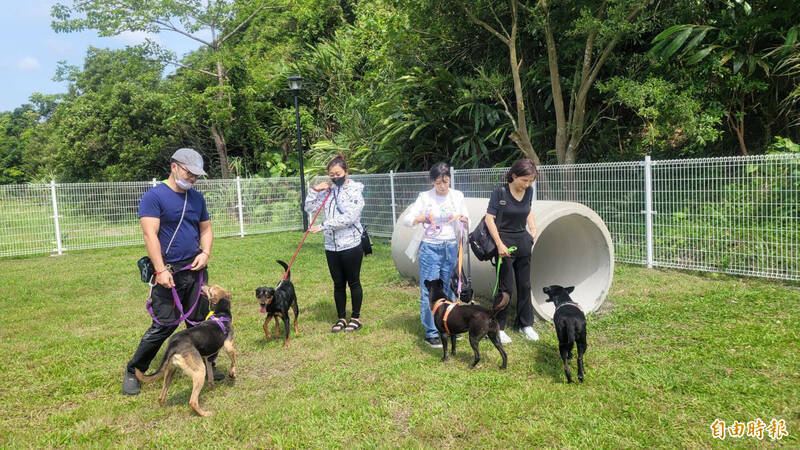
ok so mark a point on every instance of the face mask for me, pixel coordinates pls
(183, 184)
(338, 181)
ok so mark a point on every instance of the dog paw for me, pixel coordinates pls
(232, 374)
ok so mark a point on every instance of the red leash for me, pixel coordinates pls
(286, 274)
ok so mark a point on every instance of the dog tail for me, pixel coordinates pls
(159, 373)
(285, 267)
(502, 305)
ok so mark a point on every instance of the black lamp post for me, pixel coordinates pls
(295, 84)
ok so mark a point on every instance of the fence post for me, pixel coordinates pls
(155, 182)
(55, 216)
(533, 185)
(391, 186)
(453, 179)
(239, 205)
(648, 209)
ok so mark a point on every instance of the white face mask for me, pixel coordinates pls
(183, 184)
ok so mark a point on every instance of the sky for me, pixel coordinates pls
(30, 49)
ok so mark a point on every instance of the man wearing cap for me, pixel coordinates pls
(177, 233)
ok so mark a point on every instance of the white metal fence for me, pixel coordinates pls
(738, 215)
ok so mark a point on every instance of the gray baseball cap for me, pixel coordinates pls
(191, 159)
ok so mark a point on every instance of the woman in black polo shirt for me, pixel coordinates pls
(508, 213)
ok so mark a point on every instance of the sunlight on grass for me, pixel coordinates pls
(668, 354)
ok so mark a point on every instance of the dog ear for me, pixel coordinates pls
(546, 290)
(570, 289)
(427, 284)
(205, 290)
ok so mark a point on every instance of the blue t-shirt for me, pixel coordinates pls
(164, 203)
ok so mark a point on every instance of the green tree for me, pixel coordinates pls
(223, 19)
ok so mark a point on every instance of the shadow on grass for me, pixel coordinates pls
(548, 362)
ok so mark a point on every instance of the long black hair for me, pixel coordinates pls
(521, 168)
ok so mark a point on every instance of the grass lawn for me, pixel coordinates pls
(669, 353)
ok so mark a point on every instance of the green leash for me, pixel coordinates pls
(511, 249)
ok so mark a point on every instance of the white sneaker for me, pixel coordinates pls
(504, 339)
(530, 333)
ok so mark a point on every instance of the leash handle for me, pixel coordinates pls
(182, 316)
(511, 249)
(289, 267)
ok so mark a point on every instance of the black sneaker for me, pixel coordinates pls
(218, 376)
(130, 384)
(434, 342)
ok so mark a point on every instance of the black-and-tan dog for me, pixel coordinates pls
(453, 319)
(570, 323)
(190, 349)
(276, 302)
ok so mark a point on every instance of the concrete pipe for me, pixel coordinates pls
(573, 248)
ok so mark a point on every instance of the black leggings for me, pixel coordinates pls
(517, 270)
(345, 267)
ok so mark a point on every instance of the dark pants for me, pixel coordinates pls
(345, 267)
(187, 285)
(518, 265)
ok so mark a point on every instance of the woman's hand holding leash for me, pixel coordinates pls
(502, 250)
(322, 186)
(314, 229)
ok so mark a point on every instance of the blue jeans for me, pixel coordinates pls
(436, 261)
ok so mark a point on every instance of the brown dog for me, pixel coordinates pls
(190, 349)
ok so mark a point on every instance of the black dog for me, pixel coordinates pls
(570, 323)
(276, 303)
(452, 318)
(190, 349)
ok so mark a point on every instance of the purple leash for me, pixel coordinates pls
(182, 317)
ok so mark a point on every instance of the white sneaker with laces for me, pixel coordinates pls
(504, 339)
(530, 333)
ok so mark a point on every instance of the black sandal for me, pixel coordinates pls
(354, 325)
(338, 326)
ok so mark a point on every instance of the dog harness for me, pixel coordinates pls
(569, 304)
(450, 306)
(219, 321)
(182, 316)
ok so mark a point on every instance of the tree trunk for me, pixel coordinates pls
(555, 84)
(520, 135)
(570, 128)
(737, 125)
(523, 140)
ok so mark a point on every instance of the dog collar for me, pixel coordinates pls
(569, 304)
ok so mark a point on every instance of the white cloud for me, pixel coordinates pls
(28, 64)
(58, 47)
(135, 37)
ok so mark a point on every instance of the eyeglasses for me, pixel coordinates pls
(189, 174)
